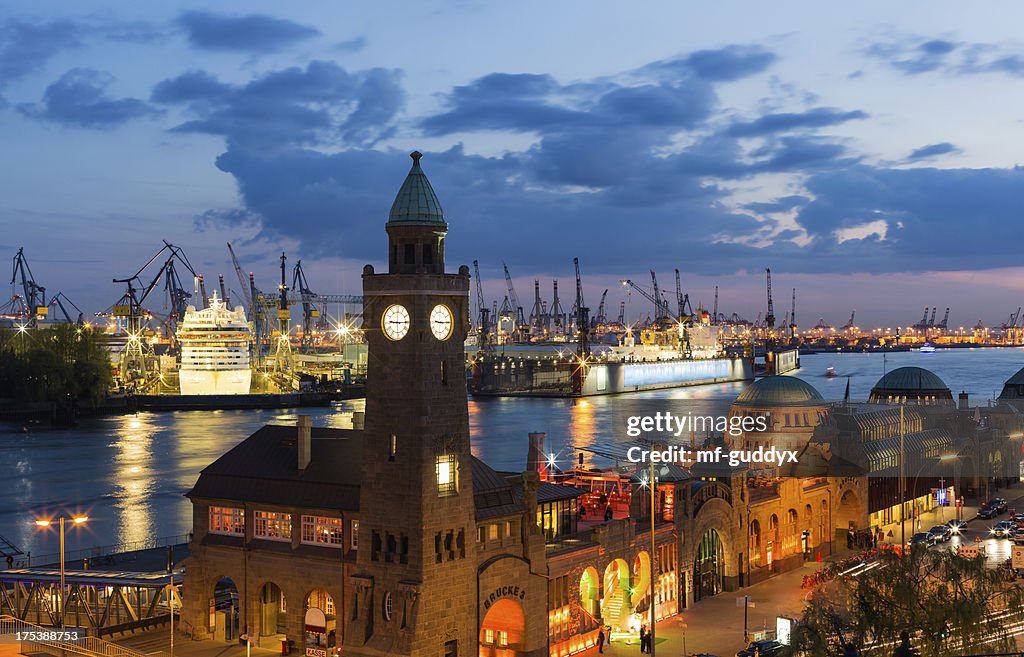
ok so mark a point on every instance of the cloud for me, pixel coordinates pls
(912, 55)
(818, 117)
(350, 45)
(726, 64)
(79, 99)
(26, 47)
(932, 150)
(252, 33)
(321, 104)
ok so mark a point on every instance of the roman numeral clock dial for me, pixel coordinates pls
(395, 322)
(441, 323)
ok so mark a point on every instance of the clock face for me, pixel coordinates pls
(395, 322)
(441, 322)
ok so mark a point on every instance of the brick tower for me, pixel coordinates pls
(415, 588)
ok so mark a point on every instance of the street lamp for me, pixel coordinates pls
(43, 522)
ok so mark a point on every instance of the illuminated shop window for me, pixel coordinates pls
(272, 525)
(225, 520)
(446, 470)
(317, 530)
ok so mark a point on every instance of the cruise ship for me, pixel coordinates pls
(215, 350)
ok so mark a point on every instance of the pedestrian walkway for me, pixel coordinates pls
(715, 625)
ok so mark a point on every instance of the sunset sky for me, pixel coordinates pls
(866, 152)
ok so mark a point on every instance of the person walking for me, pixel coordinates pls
(643, 638)
(601, 638)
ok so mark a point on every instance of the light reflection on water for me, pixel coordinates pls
(130, 473)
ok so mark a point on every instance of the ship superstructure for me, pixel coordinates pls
(215, 350)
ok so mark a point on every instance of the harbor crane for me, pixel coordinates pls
(538, 312)
(246, 286)
(682, 301)
(792, 318)
(849, 325)
(944, 324)
(58, 301)
(309, 309)
(582, 316)
(714, 312)
(931, 322)
(482, 311)
(517, 308)
(769, 318)
(130, 309)
(601, 319)
(557, 312)
(1012, 321)
(32, 300)
(659, 305)
(621, 319)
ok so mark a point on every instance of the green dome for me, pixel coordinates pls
(779, 391)
(416, 203)
(910, 379)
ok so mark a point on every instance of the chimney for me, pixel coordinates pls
(962, 403)
(536, 459)
(359, 420)
(305, 442)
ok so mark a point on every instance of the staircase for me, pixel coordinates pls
(612, 610)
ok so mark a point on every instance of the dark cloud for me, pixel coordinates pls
(26, 47)
(722, 65)
(915, 55)
(79, 99)
(321, 104)
(818, 117)
(253, 33)
(933, 150)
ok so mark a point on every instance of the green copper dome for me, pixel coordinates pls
(416, 203)
(910, 379)
(779, 391)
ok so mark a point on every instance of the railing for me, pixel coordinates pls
(102, 551)
(88, 646)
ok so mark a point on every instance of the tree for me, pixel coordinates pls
(950, 605)
(54, 364)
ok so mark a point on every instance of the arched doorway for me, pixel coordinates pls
(320, 623)
(615, 605)
(847, 513)
(709, 566)
(501, 633)
(590, 592)
(272, 610)
(641, 588)
(225, 611)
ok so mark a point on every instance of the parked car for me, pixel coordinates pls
(765, 648)
(957, 526)
(1001, 506)
(1018, 536)
(1003, 529)
(922, 538)
(942, 533)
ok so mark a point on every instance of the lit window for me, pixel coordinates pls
(492, 532)
(488, 636)
(481, 534)
(393, 447)
(354, 542)
(447, 475)
(317, 530)
(272, 525)
(225, 520)
(503, 639)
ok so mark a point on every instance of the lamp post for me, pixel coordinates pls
(77, 520)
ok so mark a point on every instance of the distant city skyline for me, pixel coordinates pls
(866, 154)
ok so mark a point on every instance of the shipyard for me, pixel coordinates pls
(494, 330)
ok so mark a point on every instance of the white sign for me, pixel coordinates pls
(784, 629)
(1018, 556)
(315, 652)
(970, 551)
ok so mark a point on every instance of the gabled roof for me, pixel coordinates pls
(416, 203)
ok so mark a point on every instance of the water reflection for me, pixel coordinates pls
(133, 478)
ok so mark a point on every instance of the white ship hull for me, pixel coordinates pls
(222, 382)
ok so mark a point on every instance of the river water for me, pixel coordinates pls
(129, 473)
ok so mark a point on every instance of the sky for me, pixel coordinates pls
(866, 152)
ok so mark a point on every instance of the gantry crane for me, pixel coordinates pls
(518, 320)
(602, 318)
(482, 311)
(683, 301)
(660, 305)
(58, 301)
(582, 316)
(31, 304)
(769, 318)
(309, 309)
(792, 318)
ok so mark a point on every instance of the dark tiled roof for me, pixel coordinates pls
(263, 469)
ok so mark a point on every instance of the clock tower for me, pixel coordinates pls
(414, 588)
